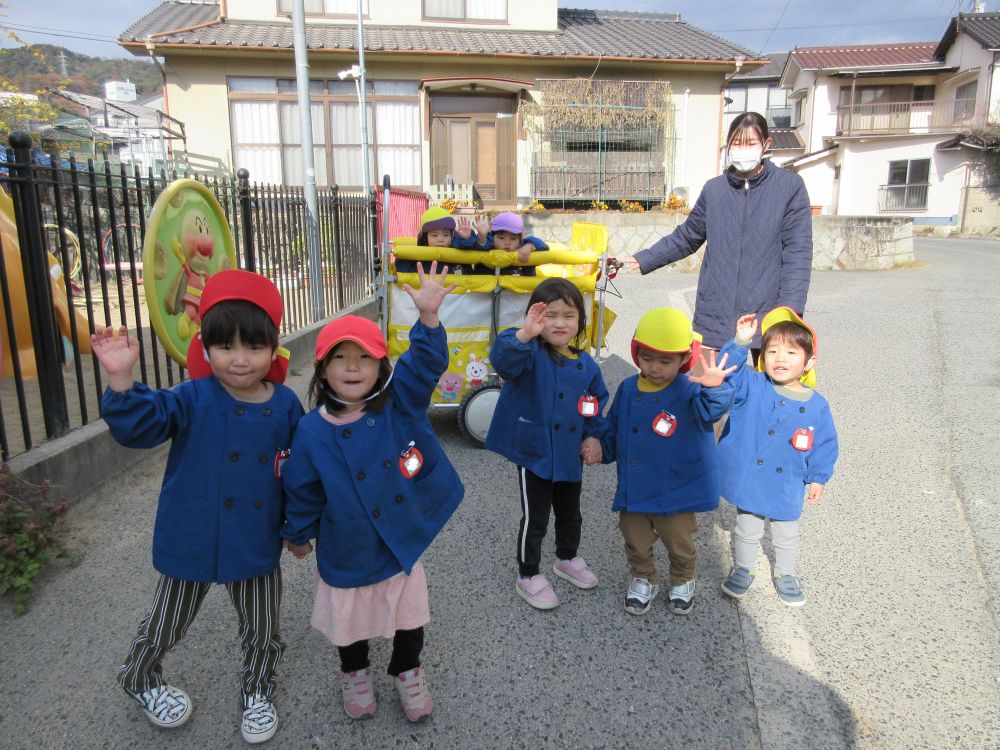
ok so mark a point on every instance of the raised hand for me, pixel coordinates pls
(463, 228)
(118, 353)
(746, 327)
(713, 375)
(534, 322)
(431, 294)
(482, 227)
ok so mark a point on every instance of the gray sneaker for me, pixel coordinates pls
(738, 582)
(164, 705)
(640, 596)
(681, 598)
(790, 590)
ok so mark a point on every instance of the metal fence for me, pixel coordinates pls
(72, 260)
(908, 198)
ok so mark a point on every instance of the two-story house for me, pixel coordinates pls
(469, 91)
(885, 125)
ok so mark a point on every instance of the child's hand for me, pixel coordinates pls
(118, 353)
(482, 227)
(746, 327)
(591, 451)
(814, 493)
(463, 228)
(299, 550)
(534, 322)
(712, 374)
(431, 293)
(524, 252)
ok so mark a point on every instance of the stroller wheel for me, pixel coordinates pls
(476, 412)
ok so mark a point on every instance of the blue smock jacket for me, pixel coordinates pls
(219, 513)
(761, 472)
(759, 253)
(537, 423)
(665, 475)
(345, 487)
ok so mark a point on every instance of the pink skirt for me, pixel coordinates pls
(346, 616)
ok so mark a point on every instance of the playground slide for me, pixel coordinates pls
(19, 303)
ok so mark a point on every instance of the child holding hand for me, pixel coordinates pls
(552, 398)
(369, 481)
(220, 506)
(659, 430)
(779, 445)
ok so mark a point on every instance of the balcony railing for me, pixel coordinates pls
(903, 199)
(779, 117)
(906, 117)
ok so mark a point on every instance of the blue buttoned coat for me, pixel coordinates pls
(345, 487)
(537, 423)
(220, 508)
(665, 475)
(761, 472)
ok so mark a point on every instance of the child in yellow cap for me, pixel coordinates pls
(659, 429)
(779, 445)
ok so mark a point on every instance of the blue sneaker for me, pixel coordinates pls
(790, 590)
(738, 582)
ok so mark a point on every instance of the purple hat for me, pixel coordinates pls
(507, 222)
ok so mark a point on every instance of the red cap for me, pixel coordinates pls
(244, 285)
(361, 331)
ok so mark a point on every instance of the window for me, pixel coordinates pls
(779, 114)
(267, 139)
(735, 99)
(326, 7)
(907, 184)
(471, 10)
(923, 93)
(965, 100)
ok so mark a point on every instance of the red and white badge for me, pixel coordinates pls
(802, 440)
(279, 460)
(587, 406)
(664, 424)
(410, 461)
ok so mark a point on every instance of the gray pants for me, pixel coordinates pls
(784, 537)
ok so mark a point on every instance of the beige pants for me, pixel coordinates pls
(640, 532)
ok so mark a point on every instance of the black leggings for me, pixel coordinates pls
(538, 497)
(406, 647)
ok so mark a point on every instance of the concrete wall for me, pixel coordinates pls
(839, 242)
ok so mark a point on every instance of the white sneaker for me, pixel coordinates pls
(640, 596)
(260, 719)
(165, 706)
(681, 598)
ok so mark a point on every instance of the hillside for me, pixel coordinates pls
(86, 74)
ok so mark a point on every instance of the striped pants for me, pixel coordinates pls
(176, 604)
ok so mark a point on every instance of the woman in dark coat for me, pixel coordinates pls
(758, 225)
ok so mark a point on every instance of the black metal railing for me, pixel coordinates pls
(72, 261)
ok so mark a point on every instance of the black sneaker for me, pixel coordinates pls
(640, 596)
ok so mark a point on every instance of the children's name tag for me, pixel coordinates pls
(587, 405)
(410, 461)
(279, 461)
(802, 440)
(664, 424)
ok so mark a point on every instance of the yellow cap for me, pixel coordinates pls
(788, 315)
(436, 217)
(664, 330)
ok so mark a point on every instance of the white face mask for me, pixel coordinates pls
(745, 158)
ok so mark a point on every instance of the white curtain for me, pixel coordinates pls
(290, 122)
(255, 122)
(294, 173)
(443, 8)
(345, 7)
(263, 162)
(487, 9)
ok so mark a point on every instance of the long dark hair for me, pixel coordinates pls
(748, 121)
(320, 393)
(554, 289)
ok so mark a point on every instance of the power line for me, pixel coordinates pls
(836, 25)
(776, 23)
(55, 32)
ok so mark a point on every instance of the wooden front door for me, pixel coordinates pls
(476, 148)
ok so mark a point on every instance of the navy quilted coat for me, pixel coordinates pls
(759, 253)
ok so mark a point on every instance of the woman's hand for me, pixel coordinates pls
(431, 294)
(712, 375)
(534, 322)
(746, 327)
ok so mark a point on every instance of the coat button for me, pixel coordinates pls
(240, 411)
(399, 498)
(760, 461)
(572, 429)
(782, 402)
(560, 395)
(770, 432)
(562, 362)
(579, 365)
(635, 429)
(361, 475)
(634, 462)
(266, 411)
(229, 502)
(346, 433)
(234, 457)
(555, 426)
(802, 410)
(258, 504)
(778, 470)
(262, 458)
(386, 464)
(370, 421)
(376, 513)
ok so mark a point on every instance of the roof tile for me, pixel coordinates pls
(864, 55)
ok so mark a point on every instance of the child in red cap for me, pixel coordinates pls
(220, 505)
(369, 481)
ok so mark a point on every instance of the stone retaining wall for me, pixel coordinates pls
(839, 242)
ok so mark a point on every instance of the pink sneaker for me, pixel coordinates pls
(359, 698)
(537, 592)
(576, 572)
(414, 695)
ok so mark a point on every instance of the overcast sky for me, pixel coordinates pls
(759, 25)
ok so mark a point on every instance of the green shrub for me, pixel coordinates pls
(28, 540)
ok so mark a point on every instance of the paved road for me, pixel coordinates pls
(897, 647)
